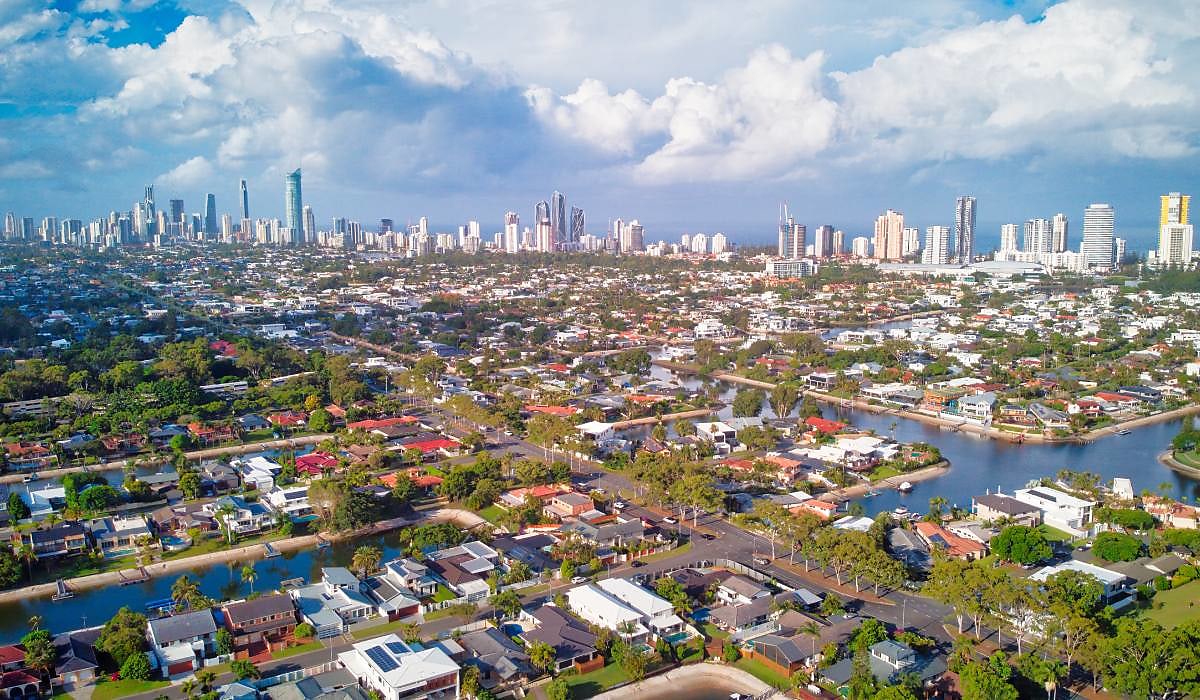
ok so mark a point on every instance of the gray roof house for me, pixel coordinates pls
(182, 642)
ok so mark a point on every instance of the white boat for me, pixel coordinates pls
(905, 487)
(900, 511)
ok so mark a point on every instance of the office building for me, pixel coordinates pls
(1008, 237)
(1097, 245)
(1059, 236)
(937, 246)
(823, 241)
(964, 230)
(578, 225)
(889, 236)
(245, 198)
(210, 215)
(1038, 236)
(293, 199)
(176, 210)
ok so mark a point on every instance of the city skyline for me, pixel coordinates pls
(605, 127)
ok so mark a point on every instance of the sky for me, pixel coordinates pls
(701, 115)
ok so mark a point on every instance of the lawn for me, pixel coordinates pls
(763, 672)
(883, 472)
(681, 549)
(588, 684)
(492, 513)
(1189, 459)
(111, 690)
(293, 651)
(1054, 534)
(1176, 606)
(442, 594)
(713, 632)
(378, 630)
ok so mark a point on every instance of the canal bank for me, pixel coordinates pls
(1168, 458)
(99, 596)
(702, 681)
(916, 476)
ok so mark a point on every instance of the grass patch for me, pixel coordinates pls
(111, 690)
(377, 630)
(681, 549)
(1176, 606)
(763, 672)
(297, 650)
(492, 513)
(711, 631)
(1191, 459)
(588, 684)
(1054, 534)
(443, 594)
(884, 472)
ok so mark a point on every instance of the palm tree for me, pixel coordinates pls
(184, 591)
(812, 630)
(26, 554)
(189, 688)
(35, 622)
(224, 511)
(366, 559)
(249, 575)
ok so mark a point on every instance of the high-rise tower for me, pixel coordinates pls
(1059, 224)
(245, 198)
(578, 224)
(1097, 245)
(964, 230)
(558, 217)
(889, 235)
(293, 207)
(210, 215)
(1174, 231)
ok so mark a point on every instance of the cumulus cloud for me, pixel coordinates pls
(1092, 79)
(194, 171)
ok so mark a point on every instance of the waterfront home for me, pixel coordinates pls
(257, 472)
(600, 608)
(246, 517)
(1059, 509)
(721, 435)
(25, 456)
(657, 613)
(392, 599)
(530, 548)
(260, 625)
(291, 502)
(182, 517)
(1115, 592)
(46, 500)
(61, 539)
(465, 568)
(337, 601)
(573, 643)
(992, 507)
(397, 669)
(889, 660)
(412, 575)
(217, 478)
(316, 464)
(117, 536)
(182, 642)
(76, 665)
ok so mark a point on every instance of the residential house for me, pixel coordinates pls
(739, 590)
(566, 505)
(258, 472)
(1060, 510)
(465, 568)
(721, 435)
(889, 660)
(997, 506)
(117, 536)
(291, 501)
(397, 669)
(598, 607)
(182, 517)
(1115, 592)
(337, 601)
(77, 665)
(261, 625)
(503, 665)
(395, 599)
(657, 614)
(182, 642)
(573, 643)
(245, 518)
(61, 539)
(940, 538)
(607, 531)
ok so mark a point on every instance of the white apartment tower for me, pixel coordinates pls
(1008, 237)
(937, 246)
(1097, 244)
(1059, 237)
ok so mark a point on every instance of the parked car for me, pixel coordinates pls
(669, 520)
(579, 579)
(618, 505)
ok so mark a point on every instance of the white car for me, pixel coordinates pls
(669, 520)
(618, 505)
(579, 579)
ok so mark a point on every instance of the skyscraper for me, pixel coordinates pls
(792, 236)
(1174, 232)
(839, 242)
(578, 224)
(210, 215)
(964, 229)
(1008, 237)
(719, 243)
(1059, 235)
(823, 241)
(1097, 245)
(293, 199)
(148, 211)
(937, 246)
(558, 217)
(541, 212)
(177, 211)
(310, 226)
(912, 241)
(245, 198)
(1038, 236)
(889, 236)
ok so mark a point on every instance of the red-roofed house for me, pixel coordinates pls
(372, 424)
(939, 537)
(443, 445)
(224, 348)
(336, 411)
(515, 498)
(560, 411)
(823, 509)
(288, 419)
(315, 463)
(558, 367)
(788, 469)
(822, 425)
(19, 684)
(208, 434)
(12, 657)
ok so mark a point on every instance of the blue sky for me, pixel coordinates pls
(692, 116)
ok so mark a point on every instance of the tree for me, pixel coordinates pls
(189, 484)
(39, 650)
(634, 664)
(1137, 659)
(559, 689)
(17, 510)
(1116, 546)
(10, 568)
(783, 398)
(98, 498)
(1021, 544)
(123, 636)
(244, 668)
(136, 668)
(894, 692)
(541, 655)
(249, 575)
(507, 602)
(366, 559)
(862, 684)
(320, 421)
(185, 592)
(224, 642)
(748, 402)
(304, 631)
(980, 682)
(730, 653)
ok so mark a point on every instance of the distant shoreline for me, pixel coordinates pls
(1168, 458)
(932, 471)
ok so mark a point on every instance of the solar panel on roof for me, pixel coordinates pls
(397, 647)
(382, 659)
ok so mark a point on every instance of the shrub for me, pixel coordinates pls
(305, 631)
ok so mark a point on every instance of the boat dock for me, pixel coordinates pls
(138, 575)
(269, 552)
(322, 543)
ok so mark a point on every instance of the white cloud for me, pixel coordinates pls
(191, 172)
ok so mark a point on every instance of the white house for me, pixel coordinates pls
(245, 517)
(396, 669)
(182, 642)
(657, 613)
(1060, 510)
(291, 501)
(722, 435)
(257, 471)
(604, 610)
(334, 602)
